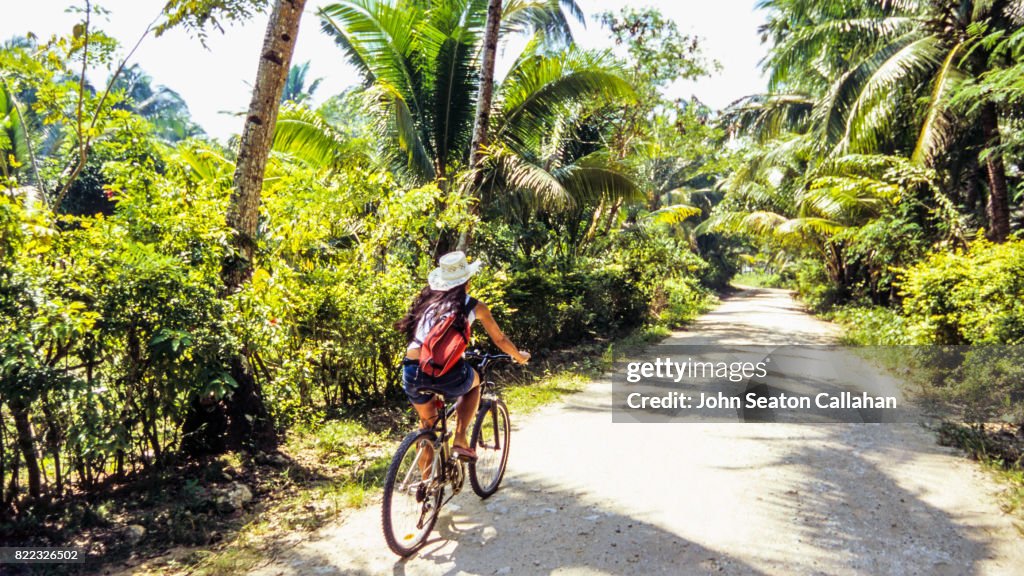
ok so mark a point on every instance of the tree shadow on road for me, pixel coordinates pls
(854, 514)
(534, 527)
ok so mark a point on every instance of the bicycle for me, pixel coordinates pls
(424, 465)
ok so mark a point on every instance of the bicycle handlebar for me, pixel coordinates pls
(478, 355)
(484, 361)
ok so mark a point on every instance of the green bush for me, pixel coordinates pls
(871, 325)
(874, 253)
(554, 299)
(550, 309)
(967, 297)
(971, 297)
(989, 384)
(653, 257)
(685, 299)
(814, 287)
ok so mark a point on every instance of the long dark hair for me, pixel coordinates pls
(449, 301)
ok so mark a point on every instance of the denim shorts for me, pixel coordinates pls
(455, 383)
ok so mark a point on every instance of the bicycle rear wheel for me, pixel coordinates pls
(491, 434)
(412, 496)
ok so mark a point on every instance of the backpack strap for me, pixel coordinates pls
(470, 305)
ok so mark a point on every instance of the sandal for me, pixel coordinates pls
(464, 453)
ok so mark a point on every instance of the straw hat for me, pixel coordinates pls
(453, 270)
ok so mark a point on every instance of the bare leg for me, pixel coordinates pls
(465, 409)
(427, 413)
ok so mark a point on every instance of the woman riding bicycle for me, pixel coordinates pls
(446, 295)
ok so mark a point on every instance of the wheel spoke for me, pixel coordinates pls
(410, 504)
(490, 440)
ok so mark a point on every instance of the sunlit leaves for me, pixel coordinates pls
(199, 16)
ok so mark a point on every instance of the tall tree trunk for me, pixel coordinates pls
(249, 423)
(998, 208)
(612, 213)
(27, 445)
(54, 440)
(485, 97)
(258, 136)
(484, 102)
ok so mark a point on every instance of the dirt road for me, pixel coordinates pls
(585, 496)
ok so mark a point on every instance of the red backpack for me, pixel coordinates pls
(444, 345)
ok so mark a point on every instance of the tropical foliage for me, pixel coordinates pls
(889, 112)
(120, 345)
(881, 171)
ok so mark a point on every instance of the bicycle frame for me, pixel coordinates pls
(443, 460)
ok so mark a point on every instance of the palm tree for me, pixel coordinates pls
(14, 143)
(884, 76)
(250, 422)
(485, 96)
(164, 108)
(295, 89)
(821, 213)
(419, 62)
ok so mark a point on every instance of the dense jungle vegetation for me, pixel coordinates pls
(882, 178)
(137, 318)
(164, 295)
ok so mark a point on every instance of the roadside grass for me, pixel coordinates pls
(524, 399)
(340, 465)
(759, 280)
(998, 447)
(1012, 498)
(567, 373)
(1000, 450)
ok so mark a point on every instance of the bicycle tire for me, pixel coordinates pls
(492, 433)
(409, 540)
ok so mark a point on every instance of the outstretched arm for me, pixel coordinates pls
(483, 313)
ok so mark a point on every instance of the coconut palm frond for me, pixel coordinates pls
(797, 226)
(871, 114)
(447, 49)
(769, 116)
(541, 86)
(674, 214)
(396, 123)
(789, 58)
(846, 199)
(377, 37)
(206, 162)
(304, 136)
(936, 129)
(759, 222)
(834, 110)
(515, 174)
(595, 178)
(547, 20)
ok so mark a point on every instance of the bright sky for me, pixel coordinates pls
(216, 82)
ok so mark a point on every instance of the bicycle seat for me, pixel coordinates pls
(431, 390)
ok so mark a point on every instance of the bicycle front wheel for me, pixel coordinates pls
(491, 435)
(412, 494)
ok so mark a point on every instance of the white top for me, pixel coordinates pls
(427, 322)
